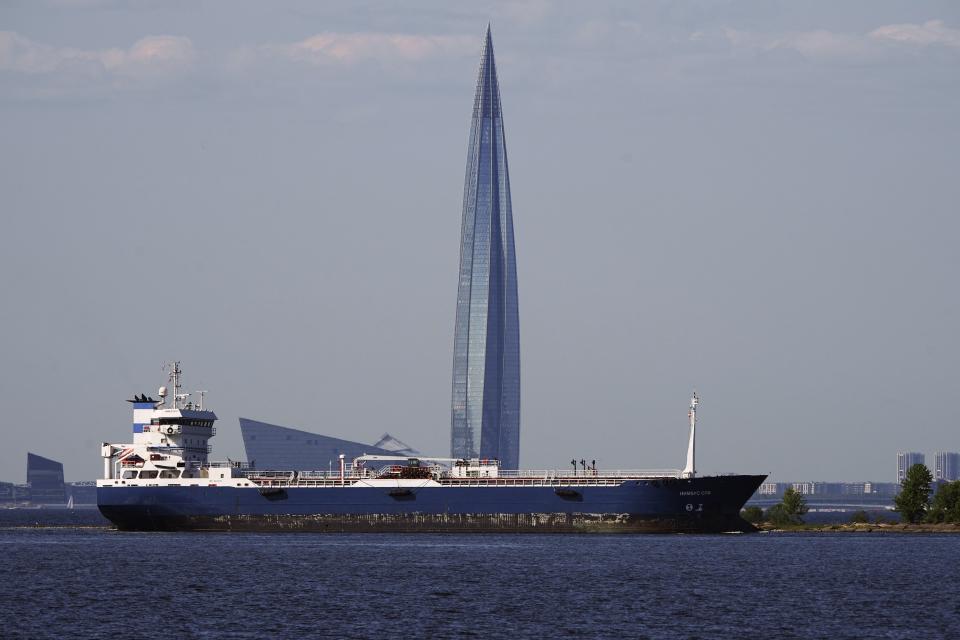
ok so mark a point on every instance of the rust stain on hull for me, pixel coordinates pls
(437, 523)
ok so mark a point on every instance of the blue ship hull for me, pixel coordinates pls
(705, 504)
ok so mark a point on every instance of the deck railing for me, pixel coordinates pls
(535, 478)
(590, 473)
(220, 464)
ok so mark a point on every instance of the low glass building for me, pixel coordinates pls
(271, 446)
(45, 478)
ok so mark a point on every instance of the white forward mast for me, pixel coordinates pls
(690, 470)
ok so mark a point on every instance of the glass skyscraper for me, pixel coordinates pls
(485, 418)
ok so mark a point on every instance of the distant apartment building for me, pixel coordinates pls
(946, 466)
(804, 488)
(768, 489)
(870, 491)
(907, 460)
(12, 494)
(868, 488)
(77, 493)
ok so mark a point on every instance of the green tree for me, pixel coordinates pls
(778, 515)
(794, 504)
(790, 510)
(914, 496)
(752, 514)
(860, 517)
(946, 504)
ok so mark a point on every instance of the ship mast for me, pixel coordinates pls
(174, 377)
(690, 470)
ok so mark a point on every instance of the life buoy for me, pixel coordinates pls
(169, 431)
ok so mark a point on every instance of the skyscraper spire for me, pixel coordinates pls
(485, 420)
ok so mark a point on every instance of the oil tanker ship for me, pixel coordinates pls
(164, 480)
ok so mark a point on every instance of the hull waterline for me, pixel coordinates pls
(699, 505)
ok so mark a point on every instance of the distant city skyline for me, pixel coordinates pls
(45, 485)
(287, 443)
(945, 465)
(755, 200)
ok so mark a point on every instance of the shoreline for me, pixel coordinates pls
(862, 527)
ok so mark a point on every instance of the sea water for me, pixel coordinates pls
(68, 576)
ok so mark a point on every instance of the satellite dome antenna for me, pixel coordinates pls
(174, 377)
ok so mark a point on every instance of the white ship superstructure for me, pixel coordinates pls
(171, 443)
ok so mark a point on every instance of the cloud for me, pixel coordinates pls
(821, 44)
(929, 33)
(348, 48)
(818, 44)
(166, 51)
(151, 55)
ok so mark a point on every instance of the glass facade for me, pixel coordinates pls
(45, 478)
(277, 448)
(485, 420)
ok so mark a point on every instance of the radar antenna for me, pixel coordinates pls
(174, 377)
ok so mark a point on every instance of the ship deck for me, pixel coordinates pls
(284, 479)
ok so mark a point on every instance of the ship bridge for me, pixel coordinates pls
(172, 432)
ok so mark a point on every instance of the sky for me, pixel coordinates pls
(756, 200)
